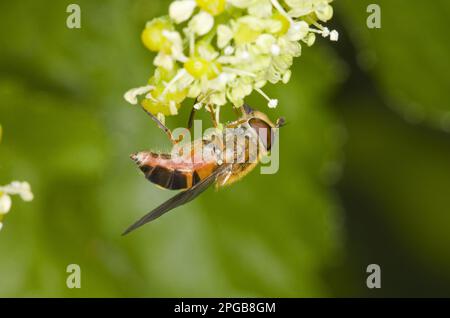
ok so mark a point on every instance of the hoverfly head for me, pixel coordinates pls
(264, 129)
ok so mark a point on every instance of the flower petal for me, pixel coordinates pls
(132, 94)
(224, 36)
(5, 203)
(182, 10)
(202, 23)
(261, 9)
(298, 31)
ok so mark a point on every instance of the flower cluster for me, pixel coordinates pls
(219, 51)
(15, 188)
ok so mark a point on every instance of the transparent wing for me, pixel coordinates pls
(180, 199)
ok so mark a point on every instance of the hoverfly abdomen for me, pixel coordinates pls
(170, 174)
(159, 169)
(179, 180)
(195, 178)
(161, 176)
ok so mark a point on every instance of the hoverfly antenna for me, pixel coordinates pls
(281, 122)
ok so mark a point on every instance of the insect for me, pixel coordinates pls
(219, 159)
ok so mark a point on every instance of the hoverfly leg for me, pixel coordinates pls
(192, 116)
(229, 172)
(163, 127)
(213, 116)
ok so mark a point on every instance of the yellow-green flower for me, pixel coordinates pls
(219, 51)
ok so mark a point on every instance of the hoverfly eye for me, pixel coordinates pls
(264, 131)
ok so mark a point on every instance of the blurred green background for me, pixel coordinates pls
(364, 176)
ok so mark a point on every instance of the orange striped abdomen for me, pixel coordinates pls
(161, 170)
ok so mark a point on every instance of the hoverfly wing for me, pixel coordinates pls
(179, 199)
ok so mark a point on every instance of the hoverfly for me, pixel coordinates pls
(218, 159)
